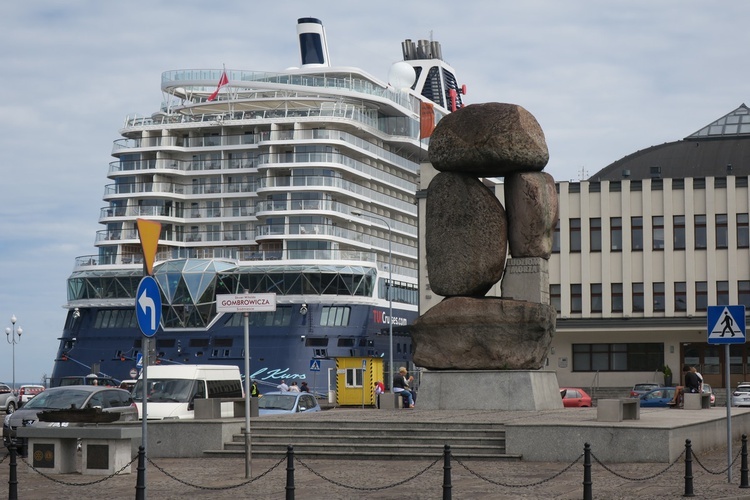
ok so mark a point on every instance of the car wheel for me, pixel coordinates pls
(11, 407)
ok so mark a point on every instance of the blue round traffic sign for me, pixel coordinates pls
(148, 306)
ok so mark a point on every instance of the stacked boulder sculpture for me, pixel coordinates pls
(469, 233)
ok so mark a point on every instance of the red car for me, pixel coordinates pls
(574, 397)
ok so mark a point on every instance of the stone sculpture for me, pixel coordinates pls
(467, 235)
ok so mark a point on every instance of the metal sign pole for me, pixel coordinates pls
(729, 414)
(248, 454)
(144, 400)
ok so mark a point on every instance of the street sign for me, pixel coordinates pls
(133, 373)
(364, 364)
(246, 302)
(314, 365)
(148, 306)
(726, 324)
(139, 360)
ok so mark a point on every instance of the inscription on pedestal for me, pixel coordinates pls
(97, 456)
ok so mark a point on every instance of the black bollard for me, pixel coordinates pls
(447, 472)
(13, 478)
(743, 467)
(688, 469)
(290, 472)
(140, 483)
(587, 490)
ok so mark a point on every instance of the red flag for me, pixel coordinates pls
(426, 120)
(222, 81)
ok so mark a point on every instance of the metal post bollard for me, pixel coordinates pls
(587, 489)
(13, 477)
(140, 483)
(290, 472)
(447, 486)
(743, 467)
(688, 469)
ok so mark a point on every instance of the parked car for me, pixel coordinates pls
(639, 390)
(109, 399)
(574, 397)
(273, 403)
(27, 392)
(657, 398)
(89, 379)
(741, 394)
(128, 385)
(707, 389)
(8, 400)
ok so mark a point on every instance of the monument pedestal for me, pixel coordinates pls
(489, 390)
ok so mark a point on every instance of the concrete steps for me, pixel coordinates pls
(370, 440)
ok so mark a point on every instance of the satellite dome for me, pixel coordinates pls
(402, 75)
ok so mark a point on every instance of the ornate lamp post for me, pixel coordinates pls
(13, 336)
(390, 293)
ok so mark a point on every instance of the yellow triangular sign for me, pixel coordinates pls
(148, 232)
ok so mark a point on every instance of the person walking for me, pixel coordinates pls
(254, 392)
(304, 387)
(293, 387)
(282, 386)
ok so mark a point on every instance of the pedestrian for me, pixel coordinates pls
(293, 387)
(692, 385)
(401, 387)
(282, 386)
(379, 389)
(304, 387)
(254, 392)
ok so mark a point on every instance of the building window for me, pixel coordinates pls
(576, 299)
(722, 231)
(678, 222)
(637, 297)
(657, 232)
(680, 296)
(615, 234)
(636, 233)
(743, 232)
(701, 295)
(595, 235)
(700, 232)
(556, 238)
(699, 183)
(722, 293)
(554, 297)
(618, 357)
(743, 293)
(659, 303)
(616, 297)
(575, 235)
(596, 297)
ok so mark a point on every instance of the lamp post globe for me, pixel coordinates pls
(13, 336)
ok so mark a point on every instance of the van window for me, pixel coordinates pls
(224, 388)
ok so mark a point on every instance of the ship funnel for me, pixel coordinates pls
(313, 46)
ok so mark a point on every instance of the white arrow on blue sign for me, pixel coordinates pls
(148, 306)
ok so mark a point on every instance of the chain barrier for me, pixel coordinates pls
(213, 488)
(366, 488)
(718, 472)
(55, 480)
(645, 478)
(498, 483)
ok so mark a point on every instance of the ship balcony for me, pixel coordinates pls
(176, 166)
(172, 215)
(203, 236)
(126, 190)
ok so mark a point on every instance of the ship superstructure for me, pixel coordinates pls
(300, 183)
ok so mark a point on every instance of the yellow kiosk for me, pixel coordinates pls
(355, 380)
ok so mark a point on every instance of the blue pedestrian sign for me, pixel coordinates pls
(314, 365)
(148, 306)
(726, 324)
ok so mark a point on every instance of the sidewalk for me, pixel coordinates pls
(226, 472)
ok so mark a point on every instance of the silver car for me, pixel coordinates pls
(109, 399)
(741, 395)
(8, 400)
(275, 403)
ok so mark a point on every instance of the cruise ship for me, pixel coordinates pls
(300, 183)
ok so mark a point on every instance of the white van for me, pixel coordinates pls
(172, 389)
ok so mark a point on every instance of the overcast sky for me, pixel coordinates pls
(603, 79)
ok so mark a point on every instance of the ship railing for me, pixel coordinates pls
(185, 215)
(172, 164)
(212, 185)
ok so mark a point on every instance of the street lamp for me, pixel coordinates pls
(11, 333)
(390, 293)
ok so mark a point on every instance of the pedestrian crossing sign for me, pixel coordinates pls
(314, 365)
(726, 324)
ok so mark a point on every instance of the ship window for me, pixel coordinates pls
(316, 342)
(335, 316)
(115, 318)
(199, 342)
(225, 342)
(164, 343)
(346, 343)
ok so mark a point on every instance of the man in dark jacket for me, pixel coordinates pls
(692, 385)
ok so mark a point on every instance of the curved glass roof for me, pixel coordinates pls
(735, 123)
